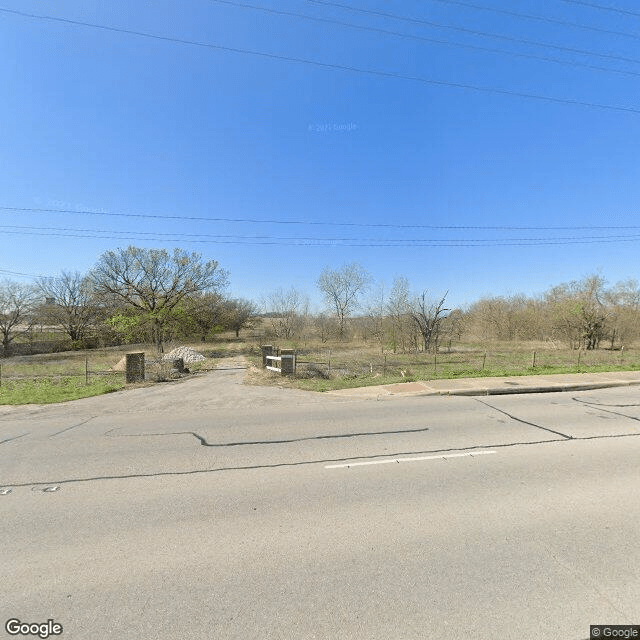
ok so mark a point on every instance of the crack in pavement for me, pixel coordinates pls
(531, 424)
(14, 438)
(73, 426)
(204, 442)
(301, 463)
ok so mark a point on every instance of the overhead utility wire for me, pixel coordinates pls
(324, 223)
(538, 18)
(18, 273)
(175, 236)
(354, 243)
(411, 36)
(485, 34)
(626, 12)
(338, 67)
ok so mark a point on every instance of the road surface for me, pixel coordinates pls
(209, 509)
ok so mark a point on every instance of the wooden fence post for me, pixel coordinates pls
(484, 359)
(86, 370)
(533, 364)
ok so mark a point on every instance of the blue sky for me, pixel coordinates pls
(102, 121)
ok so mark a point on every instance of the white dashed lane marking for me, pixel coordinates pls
(418, 459)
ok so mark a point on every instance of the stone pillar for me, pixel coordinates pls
(288, 362)
(134, 367)
(267, 350)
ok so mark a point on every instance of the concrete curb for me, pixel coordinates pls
(381, 391)
(499, 391)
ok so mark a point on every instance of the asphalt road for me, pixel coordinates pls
(207, 509)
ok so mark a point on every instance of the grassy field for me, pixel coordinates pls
(49, 390)
(69, 375)
(58, 377)
(347, 365)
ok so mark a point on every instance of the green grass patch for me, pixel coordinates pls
(47, 391)
(335, 383)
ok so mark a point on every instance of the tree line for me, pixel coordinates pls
(130, 295)
(581, 314)
(152, 295)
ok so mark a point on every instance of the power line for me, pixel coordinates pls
(626, 12)
(484, 34)
(175, 236)
(19, 273)
(351, 243)
(336, 67)
(538, 18)
(411, 36)
(379, 225)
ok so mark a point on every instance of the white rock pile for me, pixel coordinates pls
(188, 354)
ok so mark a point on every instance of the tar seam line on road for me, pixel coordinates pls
(615, 413)
(277, 465)
(73, 426)
(204, 442)
(14, 438)
(598, 407)
(602, 404)
(531, 424)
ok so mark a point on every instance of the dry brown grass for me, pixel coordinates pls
(339, 364)
(349, 364)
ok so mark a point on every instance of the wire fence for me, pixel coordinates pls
(451, 364)
(79, 370)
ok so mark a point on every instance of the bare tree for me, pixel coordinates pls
(326, 326)
(71, 304)
(623, 302)
(374, 320)
(515, 317)
(288, 310)
(154, 282)
(17, 302)
(342, 289)
(452, 325)
(398, 313)
(427, 316)
(240, 314)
